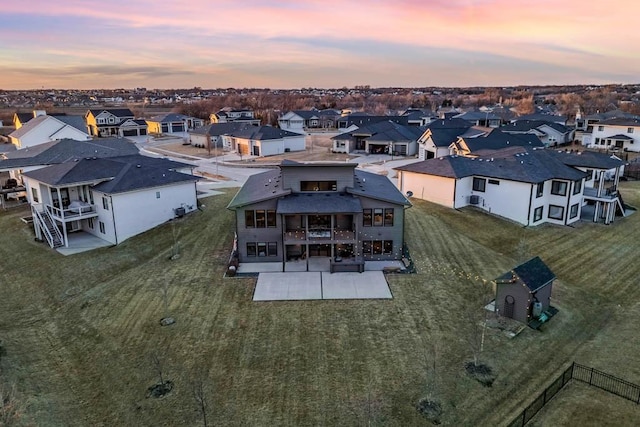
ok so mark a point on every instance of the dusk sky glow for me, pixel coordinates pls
(312, 43)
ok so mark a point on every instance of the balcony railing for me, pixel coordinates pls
(320, 234)
(607, 193)
(72, 212)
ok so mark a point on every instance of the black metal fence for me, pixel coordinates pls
(606, 382)
(584, 374)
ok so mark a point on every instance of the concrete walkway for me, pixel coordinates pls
(295, 286)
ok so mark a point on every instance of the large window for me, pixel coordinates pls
(105, 203)
(260, 218)
(377, 217)
(559, 188)
(573, 211)
(540, 189)
(556, 212)
(318, 186)
(577, 186)
(479, 184)
(537, 214)
(34, 195)
(377, 247)
(262, 249)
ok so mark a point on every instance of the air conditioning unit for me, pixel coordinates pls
(474, 200)
(180, 212)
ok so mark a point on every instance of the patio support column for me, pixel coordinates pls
(64, 234)
(61, 209)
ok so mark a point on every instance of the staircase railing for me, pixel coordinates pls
(42, 218)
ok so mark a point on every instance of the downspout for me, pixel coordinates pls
(530, 203)
(113, 218)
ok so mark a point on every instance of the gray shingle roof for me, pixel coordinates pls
(262, 133)
(118, 174)
(259, 187)
(377, 187)
(529, 166)
(587, 159)
(387, 131)
(534, 274)
(77, 122)
(629, 121)
(497, 140)
(118, 112)
(66, 150)
(216, 129)
(307, 203)
(168, 118)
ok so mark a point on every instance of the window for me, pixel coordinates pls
(377, 247)
(537, 214)
(261, 219)
(157, 194)
(600, 128)
(577, 186)
(100, 121)
(249, 220)
(540, 189)
(262, 249)
(589, 173)
(367, 219)
(559, 188)
(388, 217)
(387, 247)
(630, 130)
(377, 217)
(271, 218)
(366, 247)
(479, 184)
(556, 212)
(105, 203)
(494, 182)
(102, 228)
(597, 140)
(34, 194)
(318, 186)
(90, 221)
(251, 249)
(272, 249)
(573, 211)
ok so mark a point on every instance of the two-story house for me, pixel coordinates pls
(329, 211)
(619, 134)
(231, 115)
(119, 122)
(44, 128)
(530, 187)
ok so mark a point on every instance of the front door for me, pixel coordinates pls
(320, 250)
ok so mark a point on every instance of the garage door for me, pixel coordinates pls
(243, 148)
(130, 132)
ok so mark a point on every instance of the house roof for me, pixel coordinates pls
(477, 115)
(309, 203)
(363, 119)
(527, 125)
(497, 140)
(612, 114)
(534, 274)
(66, 150)
(216, 129)
(533, 166)
(77, 122)
(118, 174)
(268, 185)
(620, 121)
(554, 118)
(587, 159)
(386, 131)
(24, 117)
(262, 133)
(118, 112)
(28, 126)
(168, 118)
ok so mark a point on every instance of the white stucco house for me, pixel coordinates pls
(436, 140)
(210, 136)
(44, 128)
(111, 198)
(550, 133)
(619, 134)
(263, 141)
(530, 187)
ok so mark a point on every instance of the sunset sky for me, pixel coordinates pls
(312, 43)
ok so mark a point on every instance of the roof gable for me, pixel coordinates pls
(533, 273)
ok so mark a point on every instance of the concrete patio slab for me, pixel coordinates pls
(288, 286)
(82, 242)
(260, 267)
(366, 285)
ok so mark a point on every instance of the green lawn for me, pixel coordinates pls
(78, 331)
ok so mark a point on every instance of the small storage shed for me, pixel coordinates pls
(524, 293)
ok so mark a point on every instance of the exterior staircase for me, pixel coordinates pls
(46, 224)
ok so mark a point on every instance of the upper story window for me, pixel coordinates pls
(577, 186)
(100, 121)
(600, 128)
(260, 218)
(630, 130)
(540, 189)
(559, 188)
(105, 203)
(318, 185)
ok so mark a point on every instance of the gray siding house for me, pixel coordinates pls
(322, 210)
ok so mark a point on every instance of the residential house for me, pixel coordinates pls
(119, 122)
(618, 134)
(210, 135)
(172, 123)
(419, 117)
(230, 115)
(331, 212)
(353, 121)
(585, 125)
(542, 117)
(300, 120)
(550, 133)
(111, 198)
(530, 187)
(488, 143)
(481, 118)
(441, 133)
(386, 137)
(263, 141)
(524, 293)
(45, 128)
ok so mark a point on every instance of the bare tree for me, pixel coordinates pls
(200, 394)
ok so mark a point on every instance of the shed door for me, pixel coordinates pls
(509, 304)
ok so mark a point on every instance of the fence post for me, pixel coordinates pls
(590, 376)
(573, 364)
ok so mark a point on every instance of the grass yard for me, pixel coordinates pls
(78, 331)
